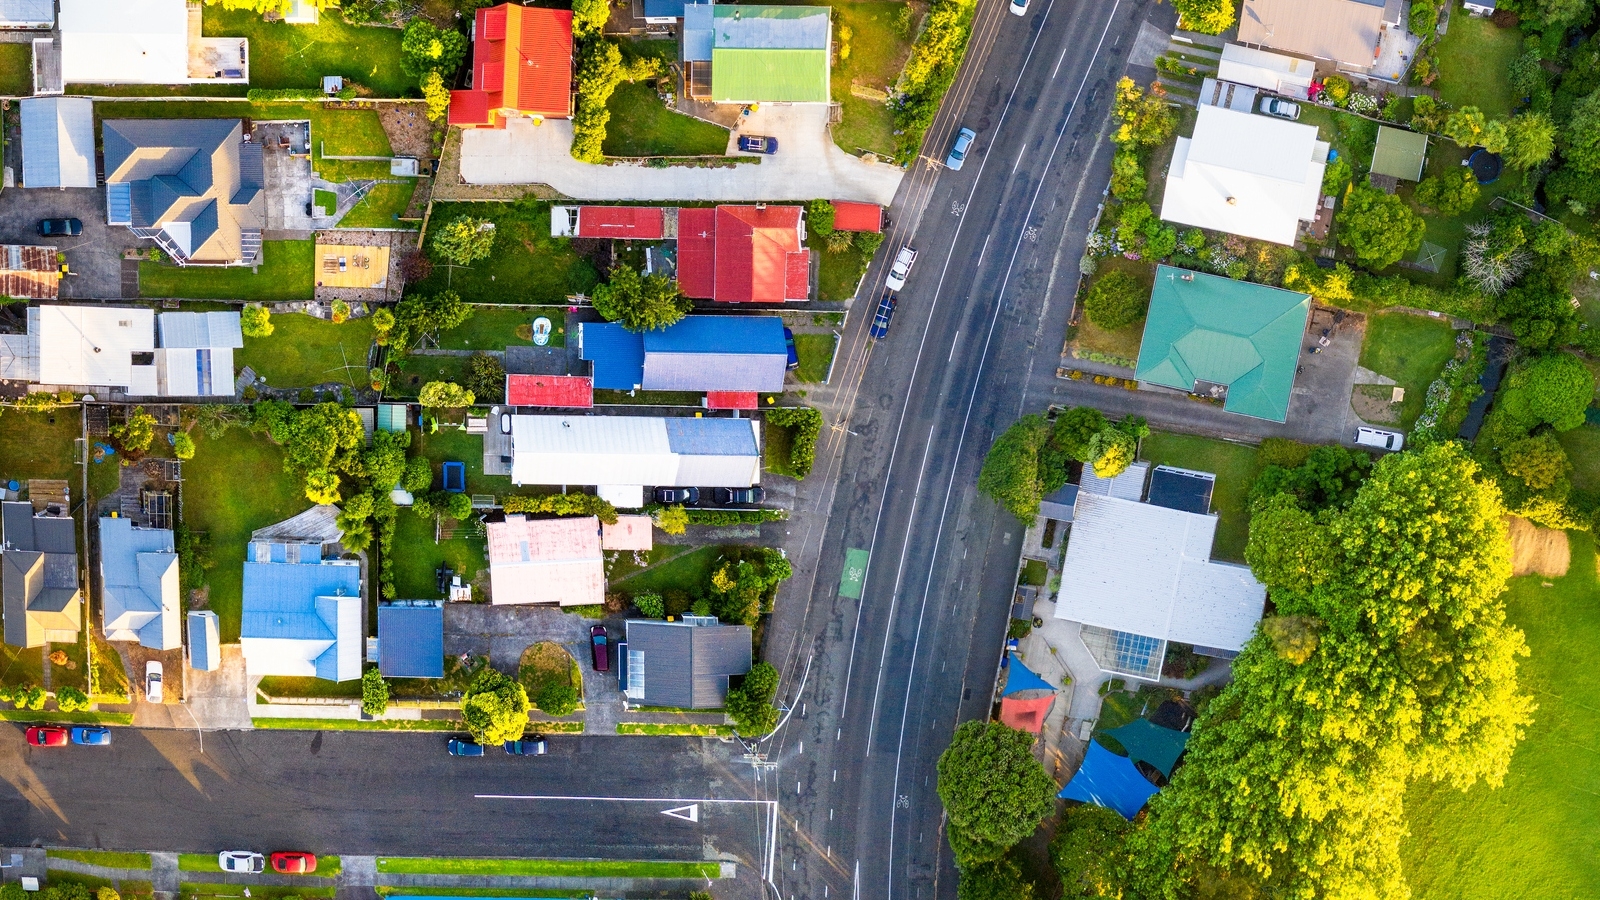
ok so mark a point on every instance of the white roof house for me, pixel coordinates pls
(196, 355)
(1254, 176)
(1286, 75)
(1144, 573)
(621, 455)
(58, 142)
(144, 42)
(96, 346)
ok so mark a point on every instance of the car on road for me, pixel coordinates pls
(46, 736)
(599, 652)
(152, 681)
(749, 496)
(532, 745)
(1283, 109)
(243, 862)
(880, 322)
(60, 227)
(1019, 7)
(788, 343)
(293, 862)
(687, 496)
(459, 747)
(901, 270)
(757, 143)
(1381, 439)
(958, 150)
(91, 736)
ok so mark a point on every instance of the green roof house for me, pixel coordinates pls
(1217, 337)
(757, 54)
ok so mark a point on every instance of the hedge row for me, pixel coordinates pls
(735, 516)
(807, 425)
(563, 505)
(935, 58)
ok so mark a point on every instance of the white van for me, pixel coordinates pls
(1383, 440)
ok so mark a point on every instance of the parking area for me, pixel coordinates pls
(1319, 409)
(94, 258)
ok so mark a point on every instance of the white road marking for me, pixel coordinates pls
(953, 344)
(690, 813)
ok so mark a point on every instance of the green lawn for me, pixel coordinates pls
(304, 350)
(189, 890)
(527, 265)
(572, 868)
(108, 858)
(1535, 835)
(496, 328)
(1449, 231)
(16, 70)
(1033, 572)
(1474, 56)
(642, 125)
(1410, 349)
(381, 206)
(417, 370)
(816, 356)
(328, 200)
(690, 572)
(234, 485)
(1235, 468)
(40, 444)
(1583, 447)
(198, 862)
(285, 274)
(455, 445)
(416, 555)
(878, 50)
(674, 729)
(21, 667)
(359, 725)
(286, 686)
(297, 56)
(1123, 342)
(839, 273)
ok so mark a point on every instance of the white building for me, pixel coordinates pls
(145, 42)
(1252, 175)
(1273, 72)
(116, 347)
(139, 585)
(622, 455)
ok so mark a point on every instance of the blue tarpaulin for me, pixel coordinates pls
(1109, 780)
(1021, 678)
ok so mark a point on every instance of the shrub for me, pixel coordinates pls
(444, 395)
(183, 445)
(575, 504)
(341, 312)
(486, 378)
(1127, 175)
(929, 72)
(1337, 89)
(374, 693)
(733, 516)
(557, 698)
(464, 240)
(1452, 193)
(1116, 301)
(1205, 16)
(750, 704)
(807, 425)
(819, 217)
(137, 433)
(255, 321)
(70, 699)
(651, 605)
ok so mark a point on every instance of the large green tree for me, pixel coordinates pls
(1089, 852)
(495, 708)
(464, 240)
(1530, 139)
(1580, 139)
(1010, 471)
(426, 48)
(1378, 228)
(994, 792)
(641, 302)
(750, 704)
(998, 880)
(1553, 389)
(1205, 16)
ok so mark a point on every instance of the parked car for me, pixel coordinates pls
(58, 227)
(91, 736)
(459, 747)
(1283, 109)
(901, 270)
(788, 343)
(749, 496)
(293, 862)
(533, 745)
(1019, 7)
(46, 736)
(880, 322)
(244, 862)
(756, 143)
(958, 150)
(1383, 440)
(598, 651)
(152, 681)
(688, 496)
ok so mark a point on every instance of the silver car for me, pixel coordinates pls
(1283, 109)
(958, 151)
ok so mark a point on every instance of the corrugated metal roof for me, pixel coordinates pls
(40, 575)
(685, 665)
(741, 75)
(470, 108)
(29, 273)
(732, 400)
(752, 27)
(58, 142)
(719, 334)
(1146, 570)
(697, 32)
(92, 345)
(622, 222)
(616, 352)
(139, 585)
(1128, 485)
(712, 437)
(22, 13)
(126, 42)
(697, 252)
(202, 330)
(205, 641)
(716, 353)
(572, 391)
(302, 620)
(634, 450)
(411, 641)
(546, 561)
(1345, 31)
(663, 9)
(629, 533)
(851, 215)
(752, 250)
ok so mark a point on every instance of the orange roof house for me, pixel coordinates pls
(521, 66)
(743, 254)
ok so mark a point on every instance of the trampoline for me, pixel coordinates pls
(455, 477)
(1486, 166)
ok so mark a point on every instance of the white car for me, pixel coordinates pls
(243, 862)
(1283, 109)
(1377, 437)
(1019, 7)
(152, 681)
(901, 270)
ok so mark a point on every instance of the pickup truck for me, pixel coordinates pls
(901, 269)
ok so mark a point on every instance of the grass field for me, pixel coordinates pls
(198, 862)
(496, 328)
(1473, 58)
(641, 125)
(1410, 349)
(816, 356)
(305, 350)
(1449, 231)
(16, 70)
(690, 572)
(234, 485)
(1583, 447)
(39, 444)
(572, 868)
(285, 274)
(108, 858)
(417, 555)
(381, 207)
(878, 50)
(527, 264)
(1533, 837)
(1235, 468)
(297, 56)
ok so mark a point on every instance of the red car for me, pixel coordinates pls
(293, 862)
(47, 736)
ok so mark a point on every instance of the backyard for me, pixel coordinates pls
(1235, 468)
(297, 56)
(1474, 56)
(1410, 349)
(1529, 837)
(381, 206)
(499, 327)
(1121, 346)
(285, 274)
(304, 351)
(416, 555)
(40, 444)
(689, 572)
(348, 132)
(527, 265)
(16, 70)
(234, 485)
(879, 41)
(417, 370)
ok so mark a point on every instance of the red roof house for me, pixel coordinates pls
(521, 66)
(571, 391)
(743, 254)
(849, 215)
(629, 223)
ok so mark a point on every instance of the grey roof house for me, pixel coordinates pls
(139, 598)
(40, 581)
(411, 639)
(194, 186)
(684, 664)
(57, 142)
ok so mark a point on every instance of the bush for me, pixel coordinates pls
(807, 425)
(486, 378)
(750, 704)
(183, 445)
(557, 698)
(672, 519)
(445, 395)
(374, 693)
(1205, 16)
(819, 217)
(255, 321)
(137, 433)
(1127, 175)
(1116, 301)
(651, 605)
(70, 699)
(929, 72)
(1452, 193)
(464, 240)
(733, 516)
(574, 504)
(1337, 89)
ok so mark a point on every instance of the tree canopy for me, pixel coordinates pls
(1378, 228)
(641, 302)
(750, 704)
(1088, 852)
(495, 708)
(426, 48)
(994, 791)
(256, 321)
(1553, 389)
(1010, 471)
(1205, 16)
(464, 240)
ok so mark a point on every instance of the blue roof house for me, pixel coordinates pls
(699, 353)
(139, 585)
(301, 618)
(411, 639)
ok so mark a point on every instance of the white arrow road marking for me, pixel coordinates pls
(690, 813)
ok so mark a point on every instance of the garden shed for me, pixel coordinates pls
(1400, 153)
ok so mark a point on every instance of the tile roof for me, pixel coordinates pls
(625, 222)
(743, 254)
(851, 215)
(411, 641)
(521, 60)
(546, 561)
(570, 391)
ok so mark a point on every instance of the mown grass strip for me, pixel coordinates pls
(680, 729)
(570, 868)
(65, 718)
(111, 859)
(358, 725)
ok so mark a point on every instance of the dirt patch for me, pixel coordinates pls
(1537, 551)
(1374, 403)
(410, 133)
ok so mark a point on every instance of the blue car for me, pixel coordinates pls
(528, 746)
(756, 143)
(92, 736)
(458, 747)
(788, 342)
(958, 151)
(880, 323)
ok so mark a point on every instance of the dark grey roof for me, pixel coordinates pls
(38, 574)
(194, 171)
(1182, 489)
(685, 665)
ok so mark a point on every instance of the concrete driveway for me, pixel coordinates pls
(807, 165)
(94, 257)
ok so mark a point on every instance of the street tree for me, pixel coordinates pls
(1379, 228)
(993, 789)
(1111, 452)
(374, 692)
(998, 880)
(1010, 473)
(1089, 852)
(750, 704)
(495, 708)
(641, 302)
